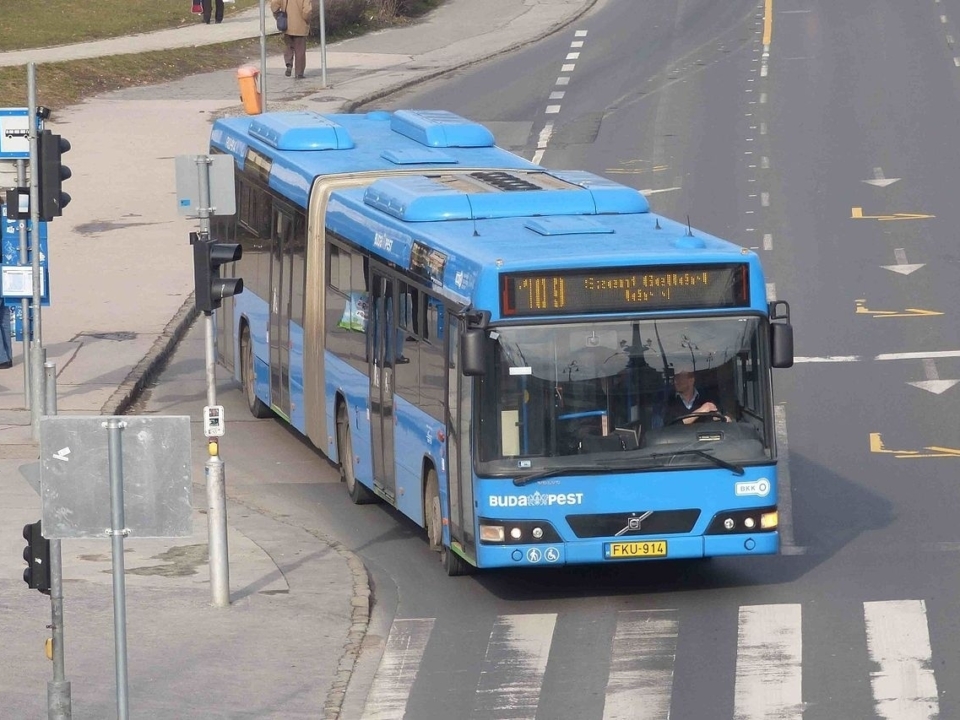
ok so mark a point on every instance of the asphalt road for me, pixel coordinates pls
(834, 157)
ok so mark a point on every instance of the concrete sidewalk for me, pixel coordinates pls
(121, 282)
(235, 26)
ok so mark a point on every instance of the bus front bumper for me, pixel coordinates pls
(602, 551)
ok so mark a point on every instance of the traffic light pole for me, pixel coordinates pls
(33, 323)
(214, 469)
(59, 706)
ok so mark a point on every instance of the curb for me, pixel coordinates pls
(351, 105)
(153, 362)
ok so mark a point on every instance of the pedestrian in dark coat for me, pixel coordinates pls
(299, 13)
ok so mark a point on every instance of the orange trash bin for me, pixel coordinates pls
(249, 79)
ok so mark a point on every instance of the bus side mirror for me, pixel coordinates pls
(472, 351)
(781, 335)
(781, 345)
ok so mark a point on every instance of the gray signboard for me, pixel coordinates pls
(219, 171)
(75, 476)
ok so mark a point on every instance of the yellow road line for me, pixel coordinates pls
(767, 21)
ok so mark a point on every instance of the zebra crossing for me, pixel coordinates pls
(637, 678)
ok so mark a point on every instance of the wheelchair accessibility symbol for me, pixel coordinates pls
(551, 554)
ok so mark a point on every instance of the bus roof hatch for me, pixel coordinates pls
(440, 128)
(304, 130)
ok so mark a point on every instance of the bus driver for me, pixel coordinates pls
(688, 401)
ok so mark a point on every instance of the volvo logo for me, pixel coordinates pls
(634, 522)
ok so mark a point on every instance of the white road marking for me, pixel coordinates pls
(785, 491)
(898, 642)
(902, 267)
(641, 666)
(769, 671)
(933, 383)
(398, 669)
(513, 667)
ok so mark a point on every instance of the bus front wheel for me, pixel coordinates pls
(359, 493)
(258, 408)
(453, 564)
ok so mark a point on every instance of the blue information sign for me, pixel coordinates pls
(14, 129)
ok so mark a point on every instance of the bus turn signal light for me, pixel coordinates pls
(768, 521)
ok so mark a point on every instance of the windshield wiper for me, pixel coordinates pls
(551, 472)
(736, 469)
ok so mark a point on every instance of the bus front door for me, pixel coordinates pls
(382, 352)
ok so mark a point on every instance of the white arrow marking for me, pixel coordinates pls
(902, 266)
(62, 454)
(879, 180)
(933, 383)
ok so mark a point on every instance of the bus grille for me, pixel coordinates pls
(661, 522)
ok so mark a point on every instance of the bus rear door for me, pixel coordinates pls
(382, 351)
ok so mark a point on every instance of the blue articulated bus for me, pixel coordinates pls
(527, 363)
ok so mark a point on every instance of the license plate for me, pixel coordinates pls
(648, 548)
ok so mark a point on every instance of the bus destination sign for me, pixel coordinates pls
(654, 287)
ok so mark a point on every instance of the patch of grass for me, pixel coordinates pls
(62, 22)
(68, 21)
(67, 83)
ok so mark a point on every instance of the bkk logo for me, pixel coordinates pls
(537, 499)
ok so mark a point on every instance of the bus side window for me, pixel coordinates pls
(298, 252)
(347, 310)
(407, 370)
(253, 267)
(433, 363)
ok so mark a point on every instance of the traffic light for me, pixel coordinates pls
(37, 556)
(51, 172)
(208, 256)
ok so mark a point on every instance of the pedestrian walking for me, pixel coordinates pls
(207, 11)
(295, 36)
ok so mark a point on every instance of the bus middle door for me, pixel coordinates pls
(382, 351)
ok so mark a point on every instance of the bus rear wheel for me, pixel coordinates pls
(258, 408)
(453, 564)
(359, 493)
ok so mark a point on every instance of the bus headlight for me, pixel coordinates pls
(743, 521)
(492, 533)
(500, 531)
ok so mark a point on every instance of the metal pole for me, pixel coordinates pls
(36, 355)
(24, 302)
(59, 706)
(263, 55)
(117, 531)
(214, 468)
(216, 492)
(323, 44)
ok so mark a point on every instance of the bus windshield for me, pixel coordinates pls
(630, 394)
